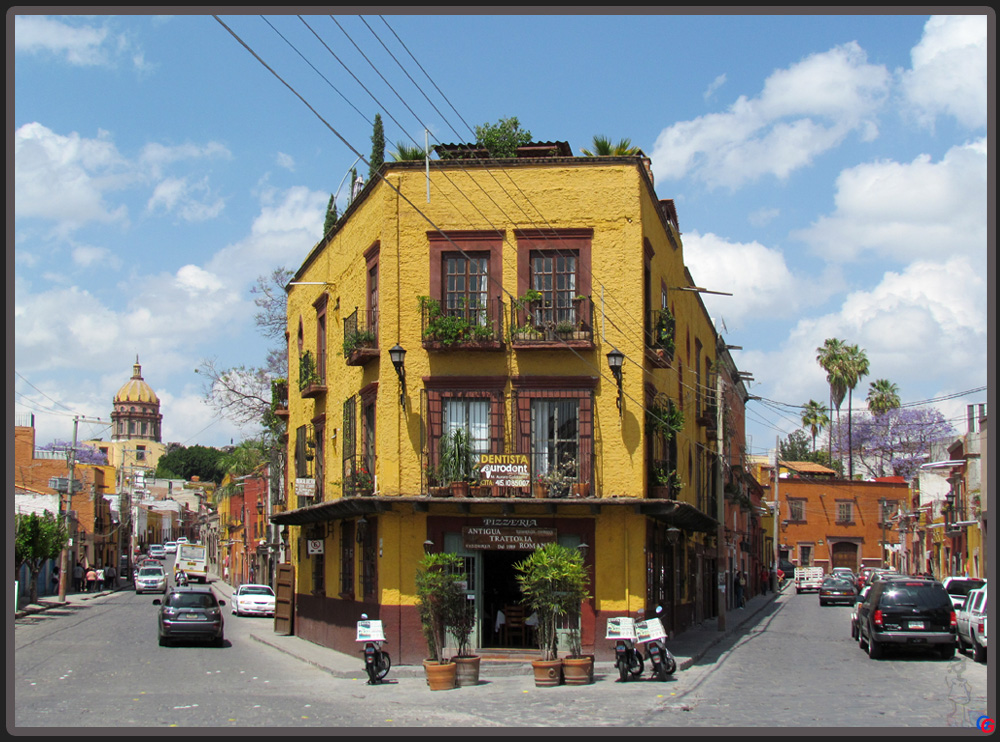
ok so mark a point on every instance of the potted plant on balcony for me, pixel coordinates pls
(358, 339)
(456, 461)
(440, 599)
(361, 482)
(308, 376)
(553, 581)
(436, 486)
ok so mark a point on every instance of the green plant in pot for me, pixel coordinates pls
(554, 583)
(456, 460)
(440, 601)
(463, 622)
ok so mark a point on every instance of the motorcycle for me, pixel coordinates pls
(628, 658)
(651, 633)
(180, 579)
(377, 661)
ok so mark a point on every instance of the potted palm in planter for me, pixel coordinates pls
(440, 600)
(456, 461)
(463, 622)
(553, 581)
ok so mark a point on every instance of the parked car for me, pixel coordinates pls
(190, 613)
(253, 600)
(845, 573)
(854, 611)
(170, 547)
(156, 551)
(909, 613)
(151, 580)
(959, 587)
(971, 624)
(837, 590)
(182, 540)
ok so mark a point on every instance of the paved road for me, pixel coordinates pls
(99, 665)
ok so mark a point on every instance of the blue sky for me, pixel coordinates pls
(828, 171)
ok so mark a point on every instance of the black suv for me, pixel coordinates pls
(907, 613)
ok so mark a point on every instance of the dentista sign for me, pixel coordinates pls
(504, 469)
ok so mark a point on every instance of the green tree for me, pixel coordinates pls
(36, 540)
(830, 357)
(331, 216)
(815, 418)
(406, 153)
(604, 147)
(192, 461)
(378, 147)
(883, 396)
(855, 368)
(796, 447)
(502, 138)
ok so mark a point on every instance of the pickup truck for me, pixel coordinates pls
(971, 624)
(808, 578)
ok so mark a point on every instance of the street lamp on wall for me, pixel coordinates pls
(673, 535)
(397, 355)
(615, 360)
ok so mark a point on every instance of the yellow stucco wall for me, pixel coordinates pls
(615, 201)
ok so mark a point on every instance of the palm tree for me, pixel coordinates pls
(603, 147)
(855, 367)
(883, 396)
(405, 153)
(815, 418)
(829, 357)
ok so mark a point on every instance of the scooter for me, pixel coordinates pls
(651, 633)
(628, 658)
(377, 661)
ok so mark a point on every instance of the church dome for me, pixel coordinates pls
(136, 390)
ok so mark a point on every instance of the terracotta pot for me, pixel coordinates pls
(459, 489)
(578, 670)
(440, 491)
(467, 673)
(548, 673)
(581, 489)
(440, 677)
(540, 491)
(481, 491)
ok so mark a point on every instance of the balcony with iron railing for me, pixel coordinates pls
(537, 323)
(311, 384)
(361, 337)
(660, 332)
(359, 480)
(469, 325)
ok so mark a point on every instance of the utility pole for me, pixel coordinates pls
(720, 504)
(776, 515)
(881, 516)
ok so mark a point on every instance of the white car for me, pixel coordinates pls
(151, 580)
(971, 621)
(855, 633)
(253, 600)
(170, 547)
(959, 587)
(182, 540)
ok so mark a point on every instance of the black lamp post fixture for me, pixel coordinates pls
(397, 354)
(673, 535)
(583, 547)
(615, 360)
(362, 529)
(428, 546)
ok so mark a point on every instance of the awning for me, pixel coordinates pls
(681, 514)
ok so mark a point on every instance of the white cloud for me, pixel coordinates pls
(910, 210)
(78, 43)
(717, 83)
(191, 202)
(88, 255)
(924, 328)
(949, 66)
(802, 112)
(285, 161)
(64, 178)
(763, 217)
(156, 156)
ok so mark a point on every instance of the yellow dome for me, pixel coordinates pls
(137, 390)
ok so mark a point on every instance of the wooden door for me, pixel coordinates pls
(284, 608)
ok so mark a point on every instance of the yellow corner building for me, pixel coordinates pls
(487, 357)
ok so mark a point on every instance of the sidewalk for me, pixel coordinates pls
(49, 602)
(688, 647)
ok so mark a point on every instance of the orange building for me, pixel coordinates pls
(827, 522)
(96, 540)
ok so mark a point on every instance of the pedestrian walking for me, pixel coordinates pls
(99, 579)
(741, 589)
(738, 583)
(109, 577)
(55, 580)
(79, 577)
(91, 579)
